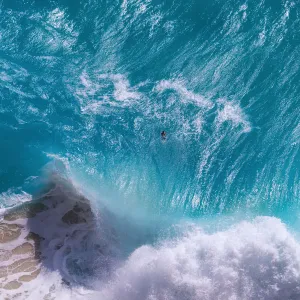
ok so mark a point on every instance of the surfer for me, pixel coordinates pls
(163, 135)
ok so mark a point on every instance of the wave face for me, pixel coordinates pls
(209, 213)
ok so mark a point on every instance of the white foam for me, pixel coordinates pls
(156, 19)
(198, 123)
(235, 20)
(231, 111)
(12, 73)
(296, 135)
(47, 286)
(11, 198)
(89, 88)
(122, 91)
(124, 6)
(258, 260)
(195, 202)
(186, 96)
(93, 107)
(57, 19)
(93, 96)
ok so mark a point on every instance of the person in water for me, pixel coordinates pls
(163, 135)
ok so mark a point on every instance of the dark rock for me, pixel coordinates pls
(26, 210)
(71, 217)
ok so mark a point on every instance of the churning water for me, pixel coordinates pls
(212, 212)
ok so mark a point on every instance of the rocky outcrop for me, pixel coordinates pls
(32, 234)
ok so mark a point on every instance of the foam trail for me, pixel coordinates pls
(186, 95)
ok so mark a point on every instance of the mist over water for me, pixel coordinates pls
(212, 212)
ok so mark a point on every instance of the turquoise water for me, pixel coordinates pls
(90, 86)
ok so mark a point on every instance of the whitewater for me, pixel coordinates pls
(95, 205)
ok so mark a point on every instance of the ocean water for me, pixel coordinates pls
(212, 212)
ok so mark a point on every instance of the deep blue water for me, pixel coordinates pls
(91, 84)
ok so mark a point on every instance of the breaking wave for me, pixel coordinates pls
(95, 205)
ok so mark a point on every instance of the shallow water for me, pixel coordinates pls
(211, 212)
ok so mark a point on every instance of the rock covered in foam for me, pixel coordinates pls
(36, 233)
(9, 232)
(26, 210)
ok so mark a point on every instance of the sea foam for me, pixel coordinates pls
(78, 251)
(251, 260)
